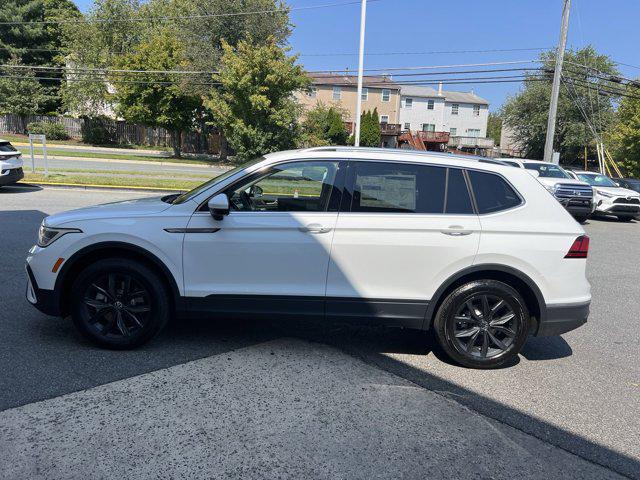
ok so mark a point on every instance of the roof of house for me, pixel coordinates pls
(462, 97)
(378, 81)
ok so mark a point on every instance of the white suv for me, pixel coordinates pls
(472, 248)
(10, 164)
(610, 198)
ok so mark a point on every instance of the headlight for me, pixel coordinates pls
(605, 194)
(48, 235)
(550, 188)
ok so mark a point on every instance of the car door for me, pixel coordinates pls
(271, 253)
(403, 229)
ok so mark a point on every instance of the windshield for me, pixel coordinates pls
(200, 188)
(547, 170)
(596, 180)
(7, 147)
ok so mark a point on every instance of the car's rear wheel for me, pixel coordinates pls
(482, 324)
(118, 303)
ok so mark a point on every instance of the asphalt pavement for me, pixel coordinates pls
(269, 400)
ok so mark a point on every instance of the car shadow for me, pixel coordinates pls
(19, 188)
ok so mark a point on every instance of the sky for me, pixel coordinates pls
(410, 26)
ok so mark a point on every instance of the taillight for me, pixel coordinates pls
(580, 248)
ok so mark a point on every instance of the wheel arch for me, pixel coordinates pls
(515, 278)
(112, 249)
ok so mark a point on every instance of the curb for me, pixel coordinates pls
(98, 187)
(118, 160)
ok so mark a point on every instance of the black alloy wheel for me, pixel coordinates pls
(119, 303)
(482, 324)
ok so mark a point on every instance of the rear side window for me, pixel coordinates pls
(493, 193)
(458, 201)
(398, 188)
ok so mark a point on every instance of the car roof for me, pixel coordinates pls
(391, 154)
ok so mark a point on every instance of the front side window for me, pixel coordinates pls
(492, 192)
(430, 104)
(398, 188)
(596, 180)
(337, 93)
(386, 94)
(455, 108)
(365, 94)
(291, 187)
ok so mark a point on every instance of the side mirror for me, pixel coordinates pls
(219, 206)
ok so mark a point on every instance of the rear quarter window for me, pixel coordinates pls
(492, 192)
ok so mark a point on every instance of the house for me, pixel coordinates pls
(453, 120)
(341, 90)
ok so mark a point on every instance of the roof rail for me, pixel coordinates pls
(400, 151)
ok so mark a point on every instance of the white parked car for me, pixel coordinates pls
(10, 164)
(473, 249)
(610, 198)
(574, 194)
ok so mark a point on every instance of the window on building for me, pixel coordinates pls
(473, 132)
(453, 132)
(430, 104)
(312, 92)
(398, 188)
(386, 94)
(407, 126)
(408, 102)
(337, 93)
(492, 193)
(428, 127)
(365, 93)
(455, 108)
(384, 118)
(476, 110)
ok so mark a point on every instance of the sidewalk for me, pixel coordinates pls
(281, 409)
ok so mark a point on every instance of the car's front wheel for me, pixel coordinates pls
(119, 303)
(624, 218)
(482, 324)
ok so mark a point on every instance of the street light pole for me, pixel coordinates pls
(363, 16)
(555, 89)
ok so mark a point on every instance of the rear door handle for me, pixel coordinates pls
(314, 228)
(456, 231)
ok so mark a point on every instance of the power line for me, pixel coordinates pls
(433, 52)
(184, 17)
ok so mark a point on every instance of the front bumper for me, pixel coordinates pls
(623, 209)
(560, 319)
(10, 176)
(47, 301)
(578, 206)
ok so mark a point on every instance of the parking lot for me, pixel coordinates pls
(257, 399)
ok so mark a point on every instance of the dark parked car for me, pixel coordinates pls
(630, 183)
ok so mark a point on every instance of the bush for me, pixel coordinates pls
(53, 131)
(95, 131)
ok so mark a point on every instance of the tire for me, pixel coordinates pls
(464, 341)
(119, 303)
(622, 218)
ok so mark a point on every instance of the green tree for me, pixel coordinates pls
(323, 125)
(21, 93)
(370, 135)
(494, 127)
(254, 105)
(625, 135)
(527, 112)
(34, 43)
(156, 99)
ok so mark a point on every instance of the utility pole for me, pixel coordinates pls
(555, 90)
(363, 16)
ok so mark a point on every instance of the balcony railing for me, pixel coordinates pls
(435, 137)
(471, 142)
(390, 128)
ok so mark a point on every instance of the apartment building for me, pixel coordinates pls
(342, 90)
(462, 115)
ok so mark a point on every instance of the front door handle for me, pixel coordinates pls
(456, 231)
(314, 228)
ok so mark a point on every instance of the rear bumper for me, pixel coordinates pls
(10, 176)
(560, 319)
(47, 301)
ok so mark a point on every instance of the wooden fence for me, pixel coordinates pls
(204, 141)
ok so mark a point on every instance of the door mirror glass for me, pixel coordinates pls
(219, 206)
